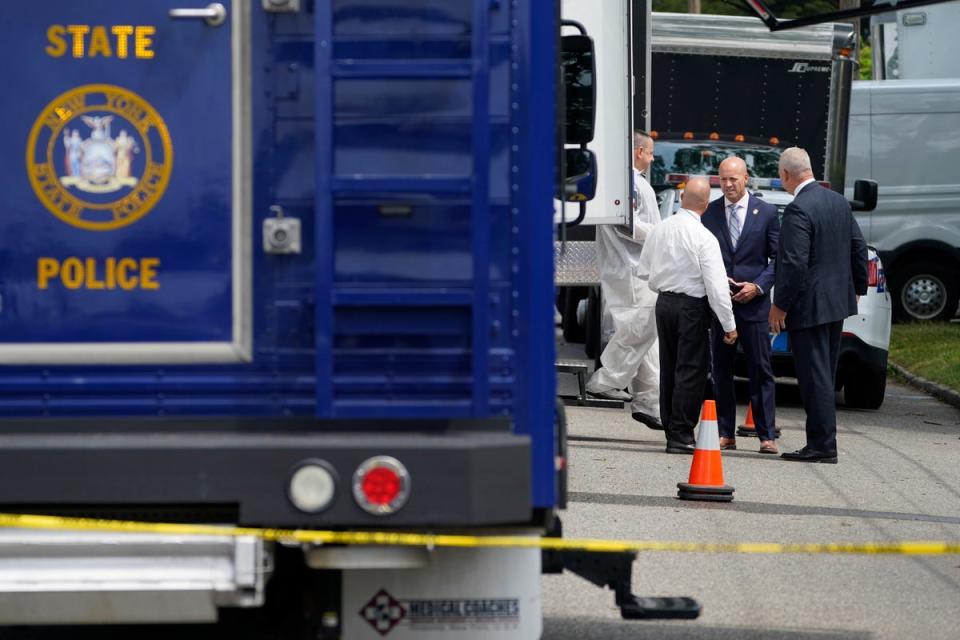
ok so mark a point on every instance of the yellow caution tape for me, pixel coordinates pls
(388, 538)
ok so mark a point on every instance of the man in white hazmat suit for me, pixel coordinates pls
(631, 357)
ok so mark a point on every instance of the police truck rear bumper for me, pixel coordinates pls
(240, 471)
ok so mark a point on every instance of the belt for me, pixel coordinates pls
(673, 294)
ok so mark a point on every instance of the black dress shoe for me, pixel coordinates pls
(680, 448)
(811, 455)
(648, 420)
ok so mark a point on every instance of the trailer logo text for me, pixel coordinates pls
(803, 67)
(99, 157)
(384, 612)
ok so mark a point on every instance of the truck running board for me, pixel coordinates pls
(677, 608)
(614, 570)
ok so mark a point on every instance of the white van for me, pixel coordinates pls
(905, 134)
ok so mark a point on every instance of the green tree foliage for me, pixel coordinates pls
(866, 62)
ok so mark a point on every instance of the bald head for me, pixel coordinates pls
(733, 178)
(696, 195)
(733, 164)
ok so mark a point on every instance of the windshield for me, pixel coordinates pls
(703, 158)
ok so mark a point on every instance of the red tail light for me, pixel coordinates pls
(381, 485)
(872, 273)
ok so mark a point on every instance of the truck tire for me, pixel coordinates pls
(570, 297)
(592, 346)
(924, 291)
(865, 388)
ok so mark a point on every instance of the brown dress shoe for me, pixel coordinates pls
(728, 444)
(768, 446)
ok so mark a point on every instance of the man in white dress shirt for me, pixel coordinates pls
(631, 356)
(681, 261)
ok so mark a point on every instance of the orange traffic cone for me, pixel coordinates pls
(706, 472)
(749, 429)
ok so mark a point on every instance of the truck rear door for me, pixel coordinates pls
(124, 200)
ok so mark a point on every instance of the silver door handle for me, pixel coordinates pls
(214, 14)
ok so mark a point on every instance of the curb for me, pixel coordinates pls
(936, 390)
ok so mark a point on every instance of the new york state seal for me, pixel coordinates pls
(99, 157)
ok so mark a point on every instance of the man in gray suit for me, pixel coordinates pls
(821, 273)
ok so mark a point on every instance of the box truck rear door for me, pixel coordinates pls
(124, 200)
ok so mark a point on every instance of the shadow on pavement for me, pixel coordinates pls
(635, 500)
(563, 628)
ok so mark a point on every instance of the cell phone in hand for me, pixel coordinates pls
(735, 288)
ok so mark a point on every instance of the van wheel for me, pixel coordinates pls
(865, 388)
(924, 291)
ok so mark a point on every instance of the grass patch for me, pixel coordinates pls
(930, 350)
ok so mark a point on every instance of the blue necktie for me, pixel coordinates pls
(734, 226)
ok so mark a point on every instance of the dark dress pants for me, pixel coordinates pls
(754, 337)
(816, 351)
(682, 327)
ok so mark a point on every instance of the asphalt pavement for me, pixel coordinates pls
(898, 479)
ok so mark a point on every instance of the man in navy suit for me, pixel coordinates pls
(748, 230)
(821, 273)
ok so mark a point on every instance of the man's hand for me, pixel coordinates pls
(777, 319)
(730, 337)
(748, 292)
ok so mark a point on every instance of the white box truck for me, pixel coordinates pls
(725, 85)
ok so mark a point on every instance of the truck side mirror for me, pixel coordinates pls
(864, 195)
(579, 73)
(580, 175)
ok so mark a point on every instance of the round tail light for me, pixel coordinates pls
(312, 486)
(381, 485)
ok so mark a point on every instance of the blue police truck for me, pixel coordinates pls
(284, 263)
